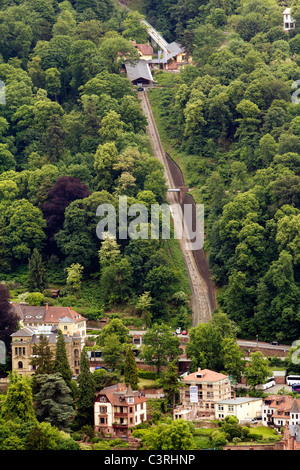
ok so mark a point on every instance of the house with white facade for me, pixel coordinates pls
(279, 410)
(243, 408)
(288, 21)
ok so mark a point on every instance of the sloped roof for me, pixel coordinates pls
(140, 70)
(174, 49)
(114, 392)
(23, 332)
(295, 406)
(207, 376)
(145, 49)
(45, 313)
(238, 400)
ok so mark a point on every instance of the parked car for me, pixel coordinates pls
(274, 343)
(184, 332)
(178, 331)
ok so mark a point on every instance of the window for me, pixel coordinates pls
(103, 399)
(220, 407)
(230, 408)
(103, 409)
(20, 365)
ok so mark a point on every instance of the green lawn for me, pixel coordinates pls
(266, 432)
(202, 442)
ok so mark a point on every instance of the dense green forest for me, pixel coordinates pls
(232, 125)
(73, 137)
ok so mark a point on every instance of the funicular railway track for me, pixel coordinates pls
(200, 296)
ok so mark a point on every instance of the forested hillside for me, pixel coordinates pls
(231, 124)
(73, 137)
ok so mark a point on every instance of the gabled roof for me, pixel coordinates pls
(45, 314)
(174, 49)
(145, 49)
(23, 332)
(295, 406)
(117, 393)
(140, 70)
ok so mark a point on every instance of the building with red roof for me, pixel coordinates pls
(117, 409)
(202, 389)
(279, 410)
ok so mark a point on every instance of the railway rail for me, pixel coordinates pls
(200, 297)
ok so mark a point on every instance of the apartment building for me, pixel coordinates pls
(202, 389)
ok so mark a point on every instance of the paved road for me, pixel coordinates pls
(201, 304)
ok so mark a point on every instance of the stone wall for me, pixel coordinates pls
(275, 446)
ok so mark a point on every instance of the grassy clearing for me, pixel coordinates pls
(266, 432)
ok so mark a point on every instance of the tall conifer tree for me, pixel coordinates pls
(36, 272)
(86, 393)
(61, 363)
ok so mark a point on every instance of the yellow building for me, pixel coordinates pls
(24, 341)
(68, 320)
(46, 320)
(243, 408)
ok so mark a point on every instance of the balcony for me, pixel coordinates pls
(119, 425)
(120, 415)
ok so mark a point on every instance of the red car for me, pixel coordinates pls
(184, 332)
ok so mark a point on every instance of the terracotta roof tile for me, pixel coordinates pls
(46, 314)
(145, 49)
(207, 376)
